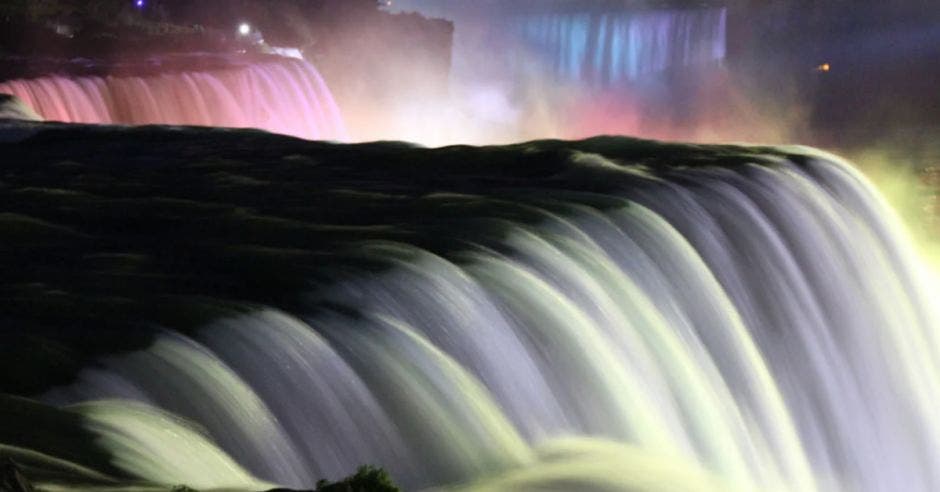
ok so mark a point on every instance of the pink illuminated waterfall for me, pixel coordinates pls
(284, 96)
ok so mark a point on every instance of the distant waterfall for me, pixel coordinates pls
(612, 313)
(285, 96)
(611, 48)
(591, 44)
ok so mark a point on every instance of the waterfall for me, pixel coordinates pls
(608, 314)
(612, 48)
(605, 45)
(285, 96)
(565, 69)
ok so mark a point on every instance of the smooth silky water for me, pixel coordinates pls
(281, 95)
(609, 314)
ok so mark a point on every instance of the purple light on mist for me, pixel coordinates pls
(139, 3)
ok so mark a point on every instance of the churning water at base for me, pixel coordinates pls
(281, 95)
(598, 320)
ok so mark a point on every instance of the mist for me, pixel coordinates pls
(770, 72)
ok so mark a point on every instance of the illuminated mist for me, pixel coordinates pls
(525, 70)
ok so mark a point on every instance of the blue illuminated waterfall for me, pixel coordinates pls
(613, 48)
(592, 44)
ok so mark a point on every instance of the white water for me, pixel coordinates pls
(285, 96)
(758, 329)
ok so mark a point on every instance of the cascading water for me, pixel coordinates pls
(598, 44)
(608, 314)
(613, 48)
(282, 95)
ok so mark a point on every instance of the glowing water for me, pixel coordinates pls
(564, 69)
(283, 96)
(762, 328)
(611, 48)
(600, 44)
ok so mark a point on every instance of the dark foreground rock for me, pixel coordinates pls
(366, 479)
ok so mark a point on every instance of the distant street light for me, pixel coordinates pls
(244, 29)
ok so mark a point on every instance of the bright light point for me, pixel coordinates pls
(139, 4)
(244, 29)
(823, 68)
